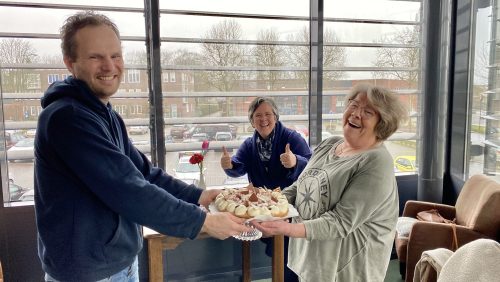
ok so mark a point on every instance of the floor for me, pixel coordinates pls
(391, 276)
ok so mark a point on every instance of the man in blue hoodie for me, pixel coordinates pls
(94, 189)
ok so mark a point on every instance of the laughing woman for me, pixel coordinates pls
(347, 196)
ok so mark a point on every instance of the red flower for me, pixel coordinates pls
(196, 159)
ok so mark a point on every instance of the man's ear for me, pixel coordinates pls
(69, 63)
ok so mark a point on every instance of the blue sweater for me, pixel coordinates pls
(247, 159)
(94, 189)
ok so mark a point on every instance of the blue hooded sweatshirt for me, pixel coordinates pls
(94, 189)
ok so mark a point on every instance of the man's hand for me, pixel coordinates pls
(221, 225)
(288, 159)
(225, 160)
(208, 196)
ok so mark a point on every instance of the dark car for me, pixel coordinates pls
(177, 130)
(16, 191)
(211, 130)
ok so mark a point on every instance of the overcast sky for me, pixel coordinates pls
(30, 20)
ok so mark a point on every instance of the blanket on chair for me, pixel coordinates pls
(478, 261)
(430, 264)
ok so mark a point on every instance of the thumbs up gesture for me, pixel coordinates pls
(288, 159)
(225, 160)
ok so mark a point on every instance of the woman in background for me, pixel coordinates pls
(273, 157)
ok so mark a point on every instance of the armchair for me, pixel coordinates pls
(476, 213)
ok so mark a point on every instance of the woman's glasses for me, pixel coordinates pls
(365, 112)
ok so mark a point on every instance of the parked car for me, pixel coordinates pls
(16, 191)
(28, 196)
(405, 164)
(211, 130)
(12, 137)
(325, 135)
(138, 130)
(23, 150)
(244, 137)
(30, 133)
(185, 170)
(223, 136)
(198, 137)
(300, 128)
(177, 130)
(169, 139)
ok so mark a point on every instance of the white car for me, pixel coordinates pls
(325, 135)
(223, 136)
(186, 171)
(138, 130)
(28, 196)
(23, 150)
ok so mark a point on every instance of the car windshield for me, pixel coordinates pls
(187, 167)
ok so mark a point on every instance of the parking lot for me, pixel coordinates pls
(22, 172)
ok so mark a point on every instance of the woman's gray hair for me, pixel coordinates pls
(392, 112)
(257, 102)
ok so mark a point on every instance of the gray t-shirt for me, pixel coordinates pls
(349, 206)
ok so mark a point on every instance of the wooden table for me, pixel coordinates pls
(157, 243)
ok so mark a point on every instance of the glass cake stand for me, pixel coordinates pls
(249, 236)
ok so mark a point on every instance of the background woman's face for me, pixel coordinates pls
(264, 120)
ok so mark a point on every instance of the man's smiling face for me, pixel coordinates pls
(98, 60)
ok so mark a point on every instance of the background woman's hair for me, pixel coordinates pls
(78, 21)
(257, 102)
(387, 104)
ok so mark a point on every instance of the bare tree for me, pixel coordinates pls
(400, 57)
(269, 55)
(333, 56)
(136, 57)
(180, 57)
(481, 64)
(223, 55)
(54, 59)
(16, 52)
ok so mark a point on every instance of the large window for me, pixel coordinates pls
(216, 56)
(30, 60)
(378, 45)
(484, 133)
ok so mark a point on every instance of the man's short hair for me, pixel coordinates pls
(78, 21)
